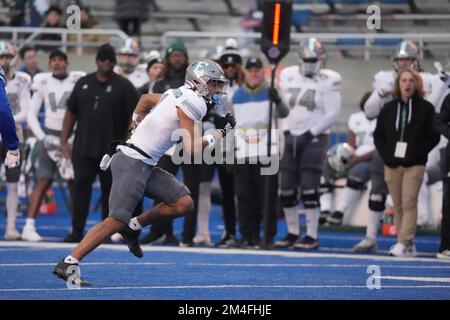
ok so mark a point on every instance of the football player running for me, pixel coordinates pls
(313, 94)
(133, 165)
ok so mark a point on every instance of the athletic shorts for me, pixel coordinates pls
(133, 179)
(46, 167)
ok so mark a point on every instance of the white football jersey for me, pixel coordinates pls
(19, 95)
(154, 134)
(54, 93)
(386, 79)
(314, 103)
(138, 77)
(363, 129)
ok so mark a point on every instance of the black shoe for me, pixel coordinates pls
(73, 238)
(61, 271)
(187, 244)
(336, 218)
(151, 237)
(131, 238)
(233, 242)
(288, 241)
(170, 239)
(308, 243)
(323, 217)
(223, 242)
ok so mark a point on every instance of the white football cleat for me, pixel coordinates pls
(30, 234)
(12, 234)
(203, 238)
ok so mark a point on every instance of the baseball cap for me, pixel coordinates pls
(254, 62)
(177, 45)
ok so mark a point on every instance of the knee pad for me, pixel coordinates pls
(288, 199)
(310, 198)
(377, 202)
(354, 184)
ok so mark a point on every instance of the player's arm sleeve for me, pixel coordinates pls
(373, 105)
(25, 100)
(191, 110)
(441, 120)
(7, 124)
(332, 107)
(32, 117)
(438, 88)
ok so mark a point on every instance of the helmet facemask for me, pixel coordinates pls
(208, 79)
(309, 67)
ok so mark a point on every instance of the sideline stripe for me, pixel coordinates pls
(422, 279)
(226, 287)
(227, 265)
(288, 254)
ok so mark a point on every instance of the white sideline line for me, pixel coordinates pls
(227, 265)
(288, 254)
(226, 287)
(421, 279)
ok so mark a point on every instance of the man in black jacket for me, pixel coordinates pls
(441, 124)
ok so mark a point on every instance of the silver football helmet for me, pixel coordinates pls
(208, 79)
(7, 54)
(311, 57)
(338, 156)
(407, 50)
(128, 56)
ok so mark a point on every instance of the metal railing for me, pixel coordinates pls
(21, 36)
(327, 38)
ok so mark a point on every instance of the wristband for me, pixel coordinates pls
(210, 139)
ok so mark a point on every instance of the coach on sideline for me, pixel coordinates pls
(101, 104)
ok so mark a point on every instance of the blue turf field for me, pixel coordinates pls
(332, 272)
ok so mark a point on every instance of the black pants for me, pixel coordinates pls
(134, 23)
(445, 224)
(226, 178)
(253, 201)
(86, 169)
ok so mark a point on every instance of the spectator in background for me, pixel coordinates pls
(441, 124)
(355, 167)
(252, 21)
(175, 63)
(155, 68)
(404, 136)
(30, 61)
(231, 62)
(53, 19)
(251, 108)
(101, 105)
(130, 15)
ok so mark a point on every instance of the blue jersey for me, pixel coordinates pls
(7, 124)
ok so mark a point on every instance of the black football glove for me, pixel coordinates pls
(274, 96)
(228, 122)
